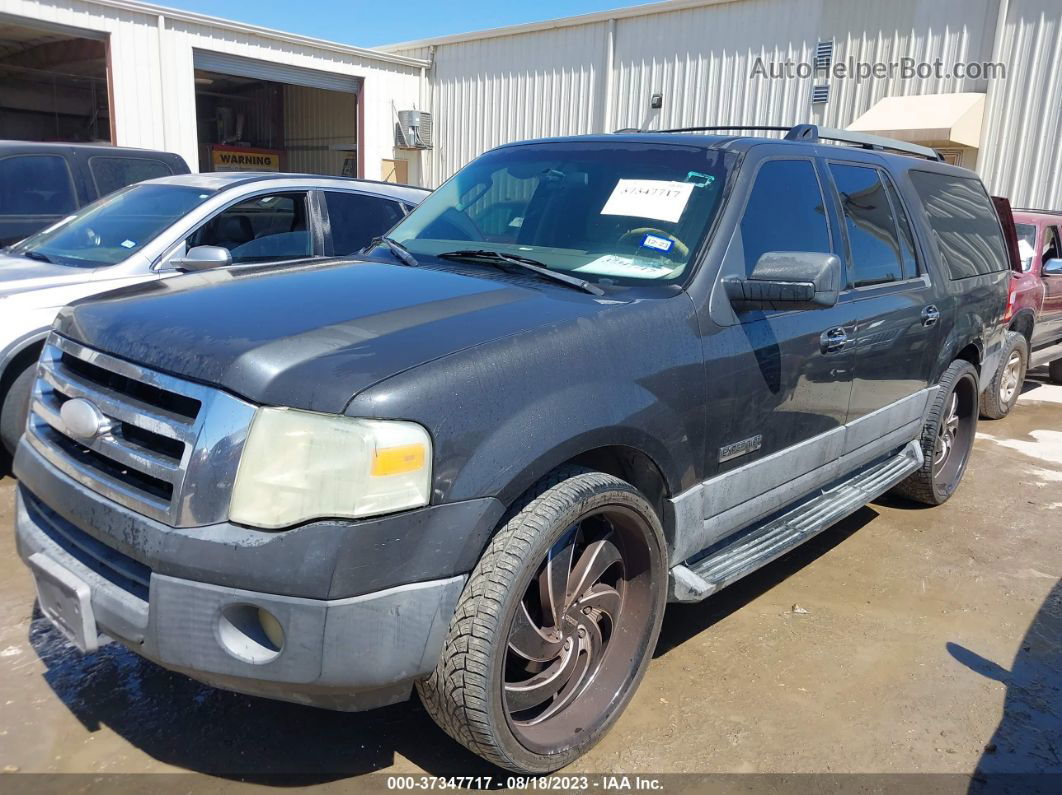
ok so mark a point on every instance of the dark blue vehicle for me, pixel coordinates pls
(584, 377)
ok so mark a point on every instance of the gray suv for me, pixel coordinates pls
(585, 376)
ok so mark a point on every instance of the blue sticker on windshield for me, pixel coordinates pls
(700, 180)
(657, 242)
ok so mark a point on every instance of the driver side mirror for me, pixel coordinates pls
(1053, 267)
(201, 258)
(785, 280)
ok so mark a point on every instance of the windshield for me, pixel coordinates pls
(1026, 244)
(113, 228)
(619, 212)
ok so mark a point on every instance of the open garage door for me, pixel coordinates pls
(260, 116)
(53, 85)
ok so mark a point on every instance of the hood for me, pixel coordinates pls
(310, 336)
(19, 274)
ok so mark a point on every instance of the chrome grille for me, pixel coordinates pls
(172, 446)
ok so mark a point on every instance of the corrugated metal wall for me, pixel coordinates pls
(316, 124)
(556, 81)
(489, 91)
(1020, 147)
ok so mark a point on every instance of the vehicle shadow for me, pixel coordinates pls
(1028, 740)
(684, 621)
(183, 723)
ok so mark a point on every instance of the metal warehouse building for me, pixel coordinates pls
(222, 94)
(599, 72)
(228, 95)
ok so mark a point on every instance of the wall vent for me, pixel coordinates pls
(823, 55)
(820, 93)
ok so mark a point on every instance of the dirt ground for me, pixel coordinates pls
(901, 640)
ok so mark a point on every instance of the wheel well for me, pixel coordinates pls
(633, 466)
(971, 354)
(23, 359)
(1023, 324)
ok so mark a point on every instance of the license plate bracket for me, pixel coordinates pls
(66, 601)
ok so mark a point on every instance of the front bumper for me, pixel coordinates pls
(356, 651)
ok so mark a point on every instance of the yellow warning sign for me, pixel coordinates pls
(235, 158)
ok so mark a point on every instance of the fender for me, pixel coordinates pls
(504, 413)
(568, 423)
(19, 346)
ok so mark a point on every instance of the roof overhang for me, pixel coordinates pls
(926, 119)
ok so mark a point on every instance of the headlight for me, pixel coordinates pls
(298, 465)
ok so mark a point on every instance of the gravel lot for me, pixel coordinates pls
(901, 640)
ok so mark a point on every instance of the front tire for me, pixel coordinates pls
(947, 437)
(1005, 388)
(15, 408)
(556, 625)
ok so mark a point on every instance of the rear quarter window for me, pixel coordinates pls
(964, 223)
(111, 173)
(36, 185)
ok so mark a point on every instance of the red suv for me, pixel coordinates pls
(1034, 310)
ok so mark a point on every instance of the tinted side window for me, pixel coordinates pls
(907, 245)
(36, 185)
(260, 229)
(110, 173)
(1026, 244)
(356, 219)
(785, 212)
(964, 222)
(872, 237)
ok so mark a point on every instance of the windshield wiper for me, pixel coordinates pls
(533, 265)
(401, 252)
(35, 255)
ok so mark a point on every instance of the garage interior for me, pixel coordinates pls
(254, 123)
(53, 86)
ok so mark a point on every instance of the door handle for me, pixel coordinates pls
(833, 340)
(930, 315)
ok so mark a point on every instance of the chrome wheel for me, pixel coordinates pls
(949, 426)
(1011, 379)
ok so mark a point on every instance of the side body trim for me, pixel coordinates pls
(724, 504)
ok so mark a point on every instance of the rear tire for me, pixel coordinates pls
(15, 408)
(947, 437)
(1005, 388)
(1054, 371)
(520, 686)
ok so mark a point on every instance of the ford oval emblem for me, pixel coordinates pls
(83, 420)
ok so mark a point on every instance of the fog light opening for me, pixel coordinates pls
(250, 633)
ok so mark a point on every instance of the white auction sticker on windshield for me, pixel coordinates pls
(659, 199)
(615, 265)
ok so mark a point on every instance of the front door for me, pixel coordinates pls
(897, 323)
(778, 382)
(1049, 327)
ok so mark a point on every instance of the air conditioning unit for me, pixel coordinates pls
(413, 129)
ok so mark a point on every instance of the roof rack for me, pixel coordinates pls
(812, 133)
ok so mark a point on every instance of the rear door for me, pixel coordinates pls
(890, 295)
(1049, 328)
(354, 219)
